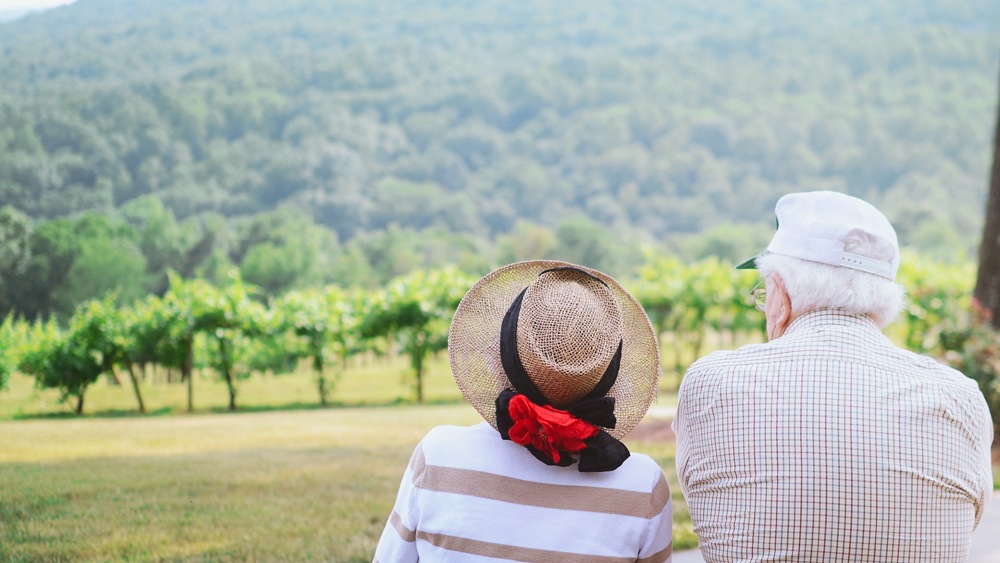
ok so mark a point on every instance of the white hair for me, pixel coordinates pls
(812, 285)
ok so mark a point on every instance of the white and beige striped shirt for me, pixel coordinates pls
(830, 444)
(469, 496)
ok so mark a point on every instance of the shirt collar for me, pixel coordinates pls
(828, 317)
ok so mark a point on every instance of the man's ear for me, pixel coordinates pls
(781, 314)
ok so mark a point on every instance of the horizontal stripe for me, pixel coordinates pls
(660, 497)
(543, 495)
(514, 553)
(417, 462)
(404, 532)
(658, 557)
(557, 530)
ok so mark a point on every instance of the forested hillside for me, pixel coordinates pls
(350, 141)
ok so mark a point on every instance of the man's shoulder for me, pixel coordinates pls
(722, 359)
(724, 365)
(952, 384)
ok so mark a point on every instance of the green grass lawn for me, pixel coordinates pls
(367, 381)
(290, 486)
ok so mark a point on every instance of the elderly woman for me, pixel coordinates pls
(561, 362)
(828, 443)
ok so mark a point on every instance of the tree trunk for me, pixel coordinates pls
(988, 280)
(79, 401)
(227, 373)
(677, 341)
(320, 380)
(232, 390)
(418, 368)
(135, 385)
(187, 369)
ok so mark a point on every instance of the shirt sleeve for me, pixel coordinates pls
(984, 430)
(398, 541)
(658, 542)
(679, 427)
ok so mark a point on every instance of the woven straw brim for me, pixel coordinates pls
(473, 344)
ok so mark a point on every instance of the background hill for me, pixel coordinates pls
(352, 141)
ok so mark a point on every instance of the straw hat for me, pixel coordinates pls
(574, 326)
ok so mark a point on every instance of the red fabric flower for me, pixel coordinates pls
(547, 429)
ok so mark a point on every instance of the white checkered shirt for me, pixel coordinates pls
(830, 444)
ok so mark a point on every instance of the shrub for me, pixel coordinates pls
(973, 348)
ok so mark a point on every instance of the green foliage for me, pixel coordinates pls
(526, 241)
(229, 330)
(310, 144)
(39, 339)
(283, 250)
(15, 240)
(372, 259)
(100, 337)
(938, 294)
(416, 310)
(103, 265)
(109, 333)
(165, 244)
(62, 360)
(734, 243)
(68, 262)
(165, 330)
(229, 318)
(973, 348)
(581, 241)
(104, 329)
(689, 299)
(12, 336)
(658, 118)
(323, 326)
(51, 251)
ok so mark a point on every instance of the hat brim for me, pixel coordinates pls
(476, 326)
(751, 264)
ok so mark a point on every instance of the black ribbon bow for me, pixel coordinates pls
(603, 451)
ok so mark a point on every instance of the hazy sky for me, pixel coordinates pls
(31, 4)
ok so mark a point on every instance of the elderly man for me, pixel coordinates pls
(828, 443)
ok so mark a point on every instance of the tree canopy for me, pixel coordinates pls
(351, 142)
